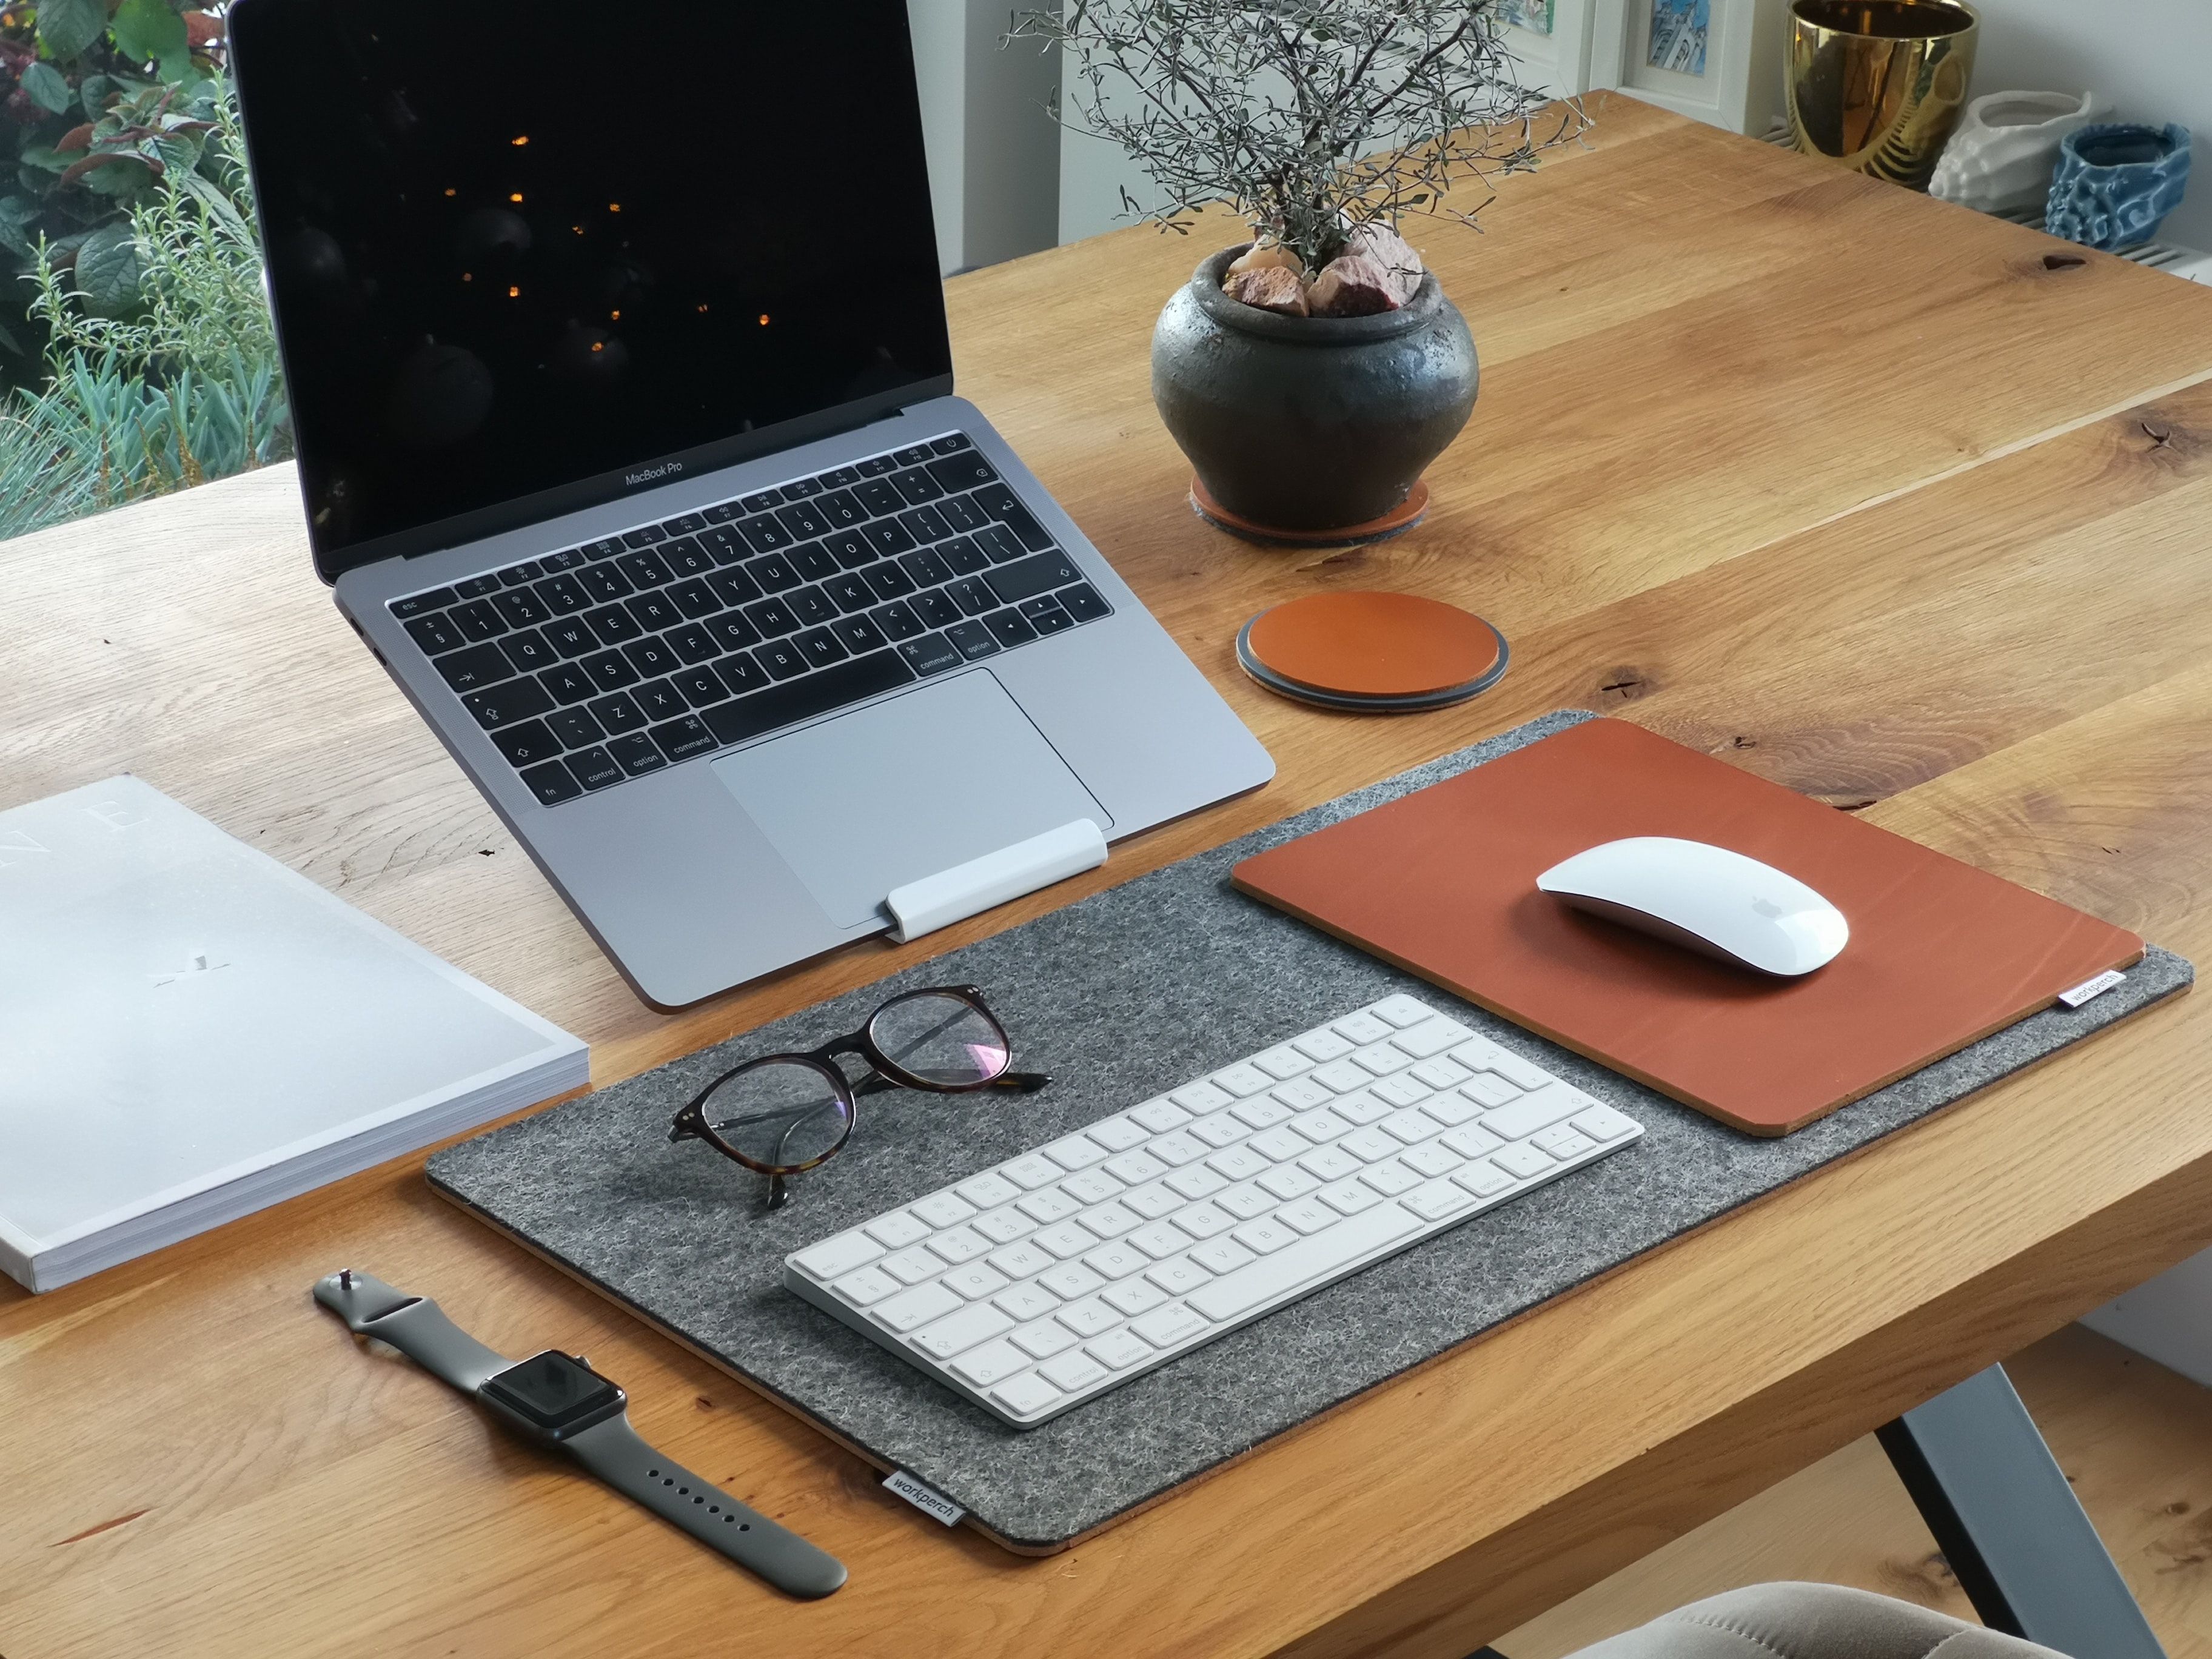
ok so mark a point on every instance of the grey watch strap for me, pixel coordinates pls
(615, 1453)
(612, 1449)
(415, 1325)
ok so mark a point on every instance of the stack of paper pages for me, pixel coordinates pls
(190, 1031)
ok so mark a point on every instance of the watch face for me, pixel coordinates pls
(555, 1392)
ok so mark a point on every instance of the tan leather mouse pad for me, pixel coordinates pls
(1442, 883)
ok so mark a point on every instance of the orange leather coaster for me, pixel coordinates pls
(1386, 649)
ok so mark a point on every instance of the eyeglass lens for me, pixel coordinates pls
(940, 1039)
(778, 1115)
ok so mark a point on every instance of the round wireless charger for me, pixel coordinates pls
(1372, 653)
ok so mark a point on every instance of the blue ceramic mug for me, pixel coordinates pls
(2115, 183)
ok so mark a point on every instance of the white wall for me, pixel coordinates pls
(993, 148)
(2152, 58)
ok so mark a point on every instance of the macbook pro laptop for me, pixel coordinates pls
(619, 369)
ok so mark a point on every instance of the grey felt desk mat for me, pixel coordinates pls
(1128, 993)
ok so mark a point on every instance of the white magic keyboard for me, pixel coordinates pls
(1040, 1283)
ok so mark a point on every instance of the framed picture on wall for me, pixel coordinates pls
(1551, 39)
(1719, 61)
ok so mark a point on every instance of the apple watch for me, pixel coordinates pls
(557, 1400)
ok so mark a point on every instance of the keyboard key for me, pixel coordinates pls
(924, 524)
(963, 471)
(687, 558)
(692, 642)
(975, 1280)
(694, 597)
(1003, 1226)
(1073, 1372)
(1002, 504)
(779, 659)
(1392, 1178)
(529, 651)
(1082, 602)
(987, 1190)
(1563, 1141)
(568, 682)
(1483, 1179)
(701, 686)
(527, 744)
(659, 700)
(1436, 1199)
(811, 605)
(479, 666)
(888, 581)
(595, 769)
(1603, 1123)
(1117, 1260)
(1071, 1280)
(741, 673)
(989, 1364)
(503, 705)
(564, 595)
(680, 739)
(763, 534)
(610, 671)
(1135, 1296)
(604, 582)
(551, 784)
(731, 631)
(636, 753)
(1289, 1266)
(477, 587)
(1025, 1396)
(820, 648)
(952, 443)
(773, 617)
(1532, 1112)
(1524, 1160)
(1044, 1338)
(999, 543)
(433, 633)
(419, 605)
(644, 535)
(574, 728)
(866, 1287)
(915, 486)
(956, 1332)
(1118, 1349)
(1046, 617)
(816, 693)
(521, 608)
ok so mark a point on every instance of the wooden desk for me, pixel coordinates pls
(1907, 509)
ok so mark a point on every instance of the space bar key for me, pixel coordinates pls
(1305, 1261)
(804, 698)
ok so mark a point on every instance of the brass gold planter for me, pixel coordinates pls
(1877, 85)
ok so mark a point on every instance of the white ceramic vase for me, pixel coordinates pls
(2001, 157)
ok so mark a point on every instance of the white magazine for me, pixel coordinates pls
(190, 1032)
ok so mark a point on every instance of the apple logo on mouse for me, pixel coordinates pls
(1705, 899)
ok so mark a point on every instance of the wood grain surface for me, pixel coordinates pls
(2134, 1441)
(1899, 505)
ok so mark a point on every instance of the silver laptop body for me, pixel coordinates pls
(730, 685)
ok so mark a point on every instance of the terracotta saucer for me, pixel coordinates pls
(1404, 516)
(1380, 653)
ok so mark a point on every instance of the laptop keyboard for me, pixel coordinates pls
(603, 662)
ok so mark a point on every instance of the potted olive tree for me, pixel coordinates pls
(1311, 371)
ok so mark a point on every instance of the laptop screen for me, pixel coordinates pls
(524, 258)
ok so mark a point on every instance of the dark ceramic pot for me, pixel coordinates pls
(1309, 423)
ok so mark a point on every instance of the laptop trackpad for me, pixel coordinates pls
(870, 802)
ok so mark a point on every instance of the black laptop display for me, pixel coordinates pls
(574, 244)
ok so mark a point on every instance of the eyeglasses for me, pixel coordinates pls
(783, 1114)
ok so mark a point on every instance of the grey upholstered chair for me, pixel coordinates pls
(1810, 1621)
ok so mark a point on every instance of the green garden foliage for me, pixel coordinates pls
(161, 359)
(99, 103)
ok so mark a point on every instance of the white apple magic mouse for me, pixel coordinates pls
(1705, 899)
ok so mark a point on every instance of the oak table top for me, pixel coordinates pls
(1907, 509)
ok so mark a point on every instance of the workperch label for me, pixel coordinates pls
(2092, 987)
(930, 1501)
